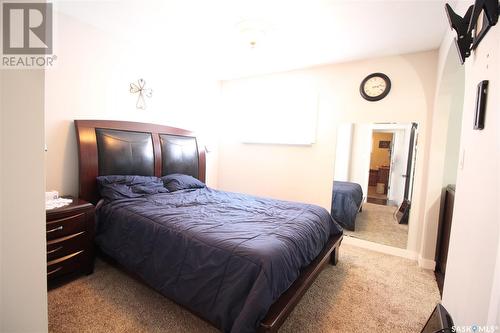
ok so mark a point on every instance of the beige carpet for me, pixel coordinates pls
(376, 224)
(366, 292)
(372, 192)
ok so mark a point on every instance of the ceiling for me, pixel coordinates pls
(206, 35)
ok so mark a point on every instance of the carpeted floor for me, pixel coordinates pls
(372, 192)
(376, 224)
(366, 292)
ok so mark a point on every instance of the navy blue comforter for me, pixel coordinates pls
(225, 256)
(346, 201)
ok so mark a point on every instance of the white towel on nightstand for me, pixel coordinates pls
(56, 203)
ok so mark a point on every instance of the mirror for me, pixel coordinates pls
(373, 180)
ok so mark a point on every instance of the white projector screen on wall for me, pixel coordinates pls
(279, 113)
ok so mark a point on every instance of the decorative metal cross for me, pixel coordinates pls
(140, 88)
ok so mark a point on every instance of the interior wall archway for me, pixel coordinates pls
(444, 144)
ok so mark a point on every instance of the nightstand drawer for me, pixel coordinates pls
(70, 240)
(66, 245)
(67, 264)
(66, 226)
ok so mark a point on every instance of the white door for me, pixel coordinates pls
(399, 160)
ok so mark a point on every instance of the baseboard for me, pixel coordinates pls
(404, 253)
(426, 263)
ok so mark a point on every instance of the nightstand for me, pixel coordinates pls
(70, 239)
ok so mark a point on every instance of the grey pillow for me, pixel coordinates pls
(119, 187)
(177, 181)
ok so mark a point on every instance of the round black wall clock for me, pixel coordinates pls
(375, 87)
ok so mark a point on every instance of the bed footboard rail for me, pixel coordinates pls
(279, 311)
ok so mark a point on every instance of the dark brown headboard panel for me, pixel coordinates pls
(124, 153)
(179, 155)
(108, 147)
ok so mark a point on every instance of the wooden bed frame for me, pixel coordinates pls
(89, 170)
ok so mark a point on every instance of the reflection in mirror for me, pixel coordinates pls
(373, 180)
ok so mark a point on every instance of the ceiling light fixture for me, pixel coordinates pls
(252, 32)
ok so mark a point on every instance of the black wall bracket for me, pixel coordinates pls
(490, 10)
(470, 30)
(463, 41)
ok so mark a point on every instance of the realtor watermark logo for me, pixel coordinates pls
(27, 35)
(475, 329)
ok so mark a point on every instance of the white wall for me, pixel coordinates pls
(304, 173)
(2, 302)
(453, 98)
(91, 81)
(343, 152)
(471, 287)
(23, 284)
(359, 171)
(494, 310)
(443, 146)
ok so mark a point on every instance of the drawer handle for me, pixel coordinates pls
(59, 228)
(54, 250)
(55, 270)
(59, 260)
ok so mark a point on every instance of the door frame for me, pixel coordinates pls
(374, 130)
(391, 127)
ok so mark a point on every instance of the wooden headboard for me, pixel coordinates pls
(107, 147)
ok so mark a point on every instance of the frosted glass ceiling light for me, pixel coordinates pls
(252, 32)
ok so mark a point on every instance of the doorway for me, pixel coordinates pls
(380, 167)
(392, 162)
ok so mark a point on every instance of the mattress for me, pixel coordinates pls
(347, 198)
(225, 256)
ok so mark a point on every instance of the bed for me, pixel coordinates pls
(347, 201)
(240, 262)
